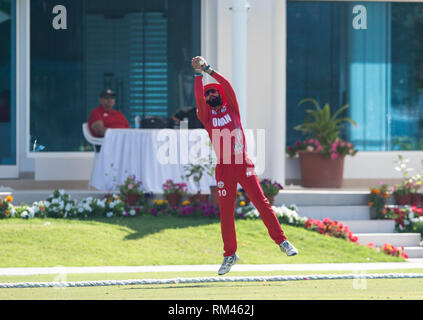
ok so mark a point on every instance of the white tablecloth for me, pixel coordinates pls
(152, 155)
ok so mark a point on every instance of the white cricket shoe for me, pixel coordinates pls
(288, 248)
(227, 264)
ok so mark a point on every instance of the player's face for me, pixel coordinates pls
(108, 102)
(213, 98)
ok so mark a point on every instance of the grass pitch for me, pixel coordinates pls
(148, 240)
(358, 289)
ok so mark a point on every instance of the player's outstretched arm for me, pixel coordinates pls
(226, 85)
(202, 110)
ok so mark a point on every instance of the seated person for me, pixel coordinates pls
(189, 113)
(104, 117)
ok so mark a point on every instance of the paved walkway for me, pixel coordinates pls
(410, 264)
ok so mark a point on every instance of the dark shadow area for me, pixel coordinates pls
(178, 286)
(145, 225)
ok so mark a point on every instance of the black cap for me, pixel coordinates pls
(107, 93)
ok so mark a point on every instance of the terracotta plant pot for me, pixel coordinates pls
(270, 198)
(403, 200)
(320, 172)
(214, 197)
(417, 199)
(174, 199)
(131, 199)
(373, 213)
(199, 197)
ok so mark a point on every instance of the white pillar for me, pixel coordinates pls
(209, 32)
(277, 119)
(239, 55)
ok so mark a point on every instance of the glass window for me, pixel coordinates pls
(138, 48)
(375, 69)
(7, 83)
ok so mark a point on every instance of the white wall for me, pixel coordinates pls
(265, 100)
(265, 83)
(267, 91)
(25, 164)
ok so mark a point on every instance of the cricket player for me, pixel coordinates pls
(218, 110)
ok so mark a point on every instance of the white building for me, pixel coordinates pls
(56, 56)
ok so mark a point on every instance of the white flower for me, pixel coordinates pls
(55, 200)
(132, 212)
(24, 215)
(111, 205)
(31, 213)
(80, 209)
(109, 214)
(68, 207)
(61, 192)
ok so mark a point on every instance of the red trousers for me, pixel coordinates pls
(227, 177)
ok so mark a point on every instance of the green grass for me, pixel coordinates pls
(148, 240)
(379, 289)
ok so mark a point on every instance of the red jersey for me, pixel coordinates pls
(111, 119)
(223, 125)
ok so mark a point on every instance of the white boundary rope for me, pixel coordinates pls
(207, 280)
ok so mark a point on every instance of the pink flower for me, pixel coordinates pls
(319, 148)
(130, 186)
(349, 145)
(334, 155)
(310, 148)
(316, 143)
(343, 144)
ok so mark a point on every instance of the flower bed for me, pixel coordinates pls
(60, 205)
(390, 250)
(285, 214)
(407, 218)
(331, 228)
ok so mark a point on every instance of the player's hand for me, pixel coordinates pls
(199, 63)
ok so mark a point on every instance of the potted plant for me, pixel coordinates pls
(131, 191)
(210, 168)
(244, 196)
(270, 189)
(403, 191)
(377, 201)
(417, 196)
(174, 192)
(322, 152)
(196, 172)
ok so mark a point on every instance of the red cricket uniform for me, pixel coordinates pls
(234, 165)
(111, 119)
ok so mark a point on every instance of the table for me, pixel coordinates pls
(153, 156)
